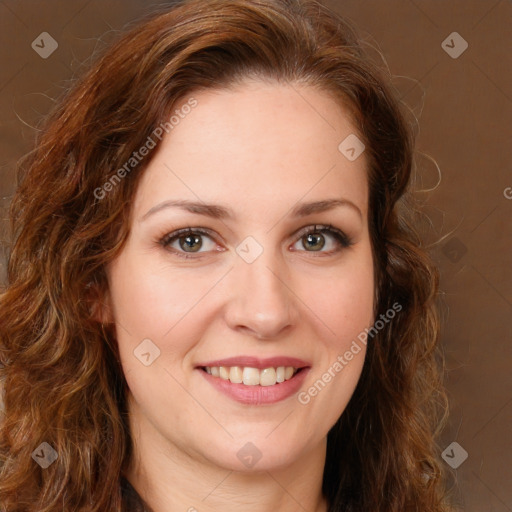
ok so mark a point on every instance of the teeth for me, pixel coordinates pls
(268, 377)
(252, 376)
(236, 375)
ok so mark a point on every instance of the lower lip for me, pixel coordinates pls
(258, 395)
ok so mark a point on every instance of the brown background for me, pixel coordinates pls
(464, 110)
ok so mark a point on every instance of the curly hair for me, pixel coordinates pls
(63, 381)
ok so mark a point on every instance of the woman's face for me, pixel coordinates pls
(254, 285)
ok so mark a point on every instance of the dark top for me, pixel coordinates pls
(132, 502)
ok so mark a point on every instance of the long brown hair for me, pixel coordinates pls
(64, 384)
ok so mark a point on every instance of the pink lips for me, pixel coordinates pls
(257, 395)
(255, 362)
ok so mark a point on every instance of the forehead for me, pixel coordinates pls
(274, 143)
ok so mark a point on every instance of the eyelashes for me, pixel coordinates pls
(341, 238)
(310, 236)
(191, 236)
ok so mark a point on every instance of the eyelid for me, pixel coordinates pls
(175, 235)
(188, 231)
(341, 238)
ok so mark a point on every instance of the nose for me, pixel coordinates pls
(261, 299)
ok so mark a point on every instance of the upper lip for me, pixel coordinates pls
(256, 362)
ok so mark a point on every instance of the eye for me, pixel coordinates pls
(313, 239)
(189, 241)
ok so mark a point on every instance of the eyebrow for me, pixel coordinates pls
(221, 212)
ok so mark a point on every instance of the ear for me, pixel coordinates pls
(99, 304)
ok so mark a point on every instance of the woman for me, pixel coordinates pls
(216, 298)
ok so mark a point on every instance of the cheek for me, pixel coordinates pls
(151, 301)
(148, 299)
(344, 305)
(344, 301)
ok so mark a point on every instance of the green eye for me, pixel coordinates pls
(188, 241)
(313, 239)
(192, 242)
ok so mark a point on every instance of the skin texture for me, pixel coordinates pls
(259, 149)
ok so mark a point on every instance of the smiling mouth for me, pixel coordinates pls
(250, 376)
